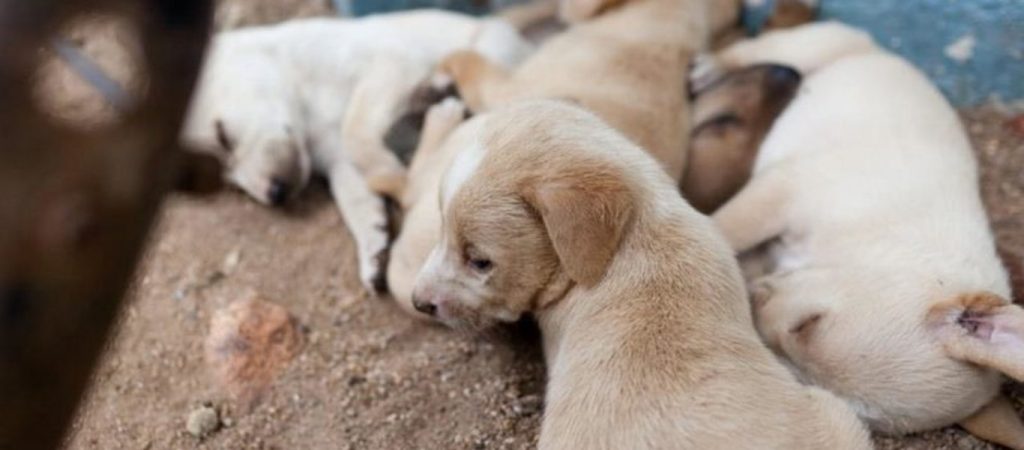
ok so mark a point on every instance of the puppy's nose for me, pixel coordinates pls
(278, 192)
(782, 76)
(424, 307)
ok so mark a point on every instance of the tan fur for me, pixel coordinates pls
(650, 348)
(623, 60)
(422, 220)
(731, 119)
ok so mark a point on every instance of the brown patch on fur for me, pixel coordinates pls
(732, 118)
(790, 13)
(573, 11)
(585, 212)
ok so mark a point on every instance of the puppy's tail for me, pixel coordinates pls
(528, 14)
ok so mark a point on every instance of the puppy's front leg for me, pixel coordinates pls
(377, 99)
(365, 216)
(757, 213)
(481, 84)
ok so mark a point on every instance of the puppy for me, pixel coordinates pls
(421, 224)
(646, 328)
(280, 103)
(731, 118)
(883, 283)
(621, 59)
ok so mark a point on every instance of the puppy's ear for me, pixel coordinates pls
(984, 329)
(574, 11)
(586, 212)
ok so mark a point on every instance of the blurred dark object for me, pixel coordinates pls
(76, 206)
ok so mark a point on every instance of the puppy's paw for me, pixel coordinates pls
(705, 70)
(443, 117)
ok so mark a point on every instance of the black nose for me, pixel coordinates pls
(278, 192)
(782, 76)
(424, 307)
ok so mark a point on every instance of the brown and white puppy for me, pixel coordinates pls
(883, 285)
(646, 327)
(731, 118)
(621, 59)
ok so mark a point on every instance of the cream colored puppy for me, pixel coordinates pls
(282, 102)
(884, 285)
(646, 327)
(621, 59)
(421, 224)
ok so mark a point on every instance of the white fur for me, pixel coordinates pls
(463, 167)
(317, 95)
(868, 190)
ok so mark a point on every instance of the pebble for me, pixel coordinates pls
(202, 421)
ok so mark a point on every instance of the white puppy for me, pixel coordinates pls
(282, 102)
(883, 282)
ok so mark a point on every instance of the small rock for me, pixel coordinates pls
(250, 342)
(202, 421)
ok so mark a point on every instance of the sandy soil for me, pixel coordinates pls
(366, 376)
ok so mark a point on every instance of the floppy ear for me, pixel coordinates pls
(573, 11)
(984, 329)
(586, 214)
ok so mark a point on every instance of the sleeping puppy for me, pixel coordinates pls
(621, 59)
(280, 103)
(646, 328)
(731, 118)
(884, 283)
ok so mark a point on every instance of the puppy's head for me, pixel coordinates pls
(245, 113)
(732, 117)
(529, 210)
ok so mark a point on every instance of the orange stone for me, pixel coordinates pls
(249, 344)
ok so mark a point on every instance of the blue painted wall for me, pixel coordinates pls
(922, 30)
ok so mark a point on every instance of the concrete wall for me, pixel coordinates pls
(973, 49)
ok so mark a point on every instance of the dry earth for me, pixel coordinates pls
(366, 376)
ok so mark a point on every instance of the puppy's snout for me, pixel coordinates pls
(780, 76)
(424, 306)
(278, 192)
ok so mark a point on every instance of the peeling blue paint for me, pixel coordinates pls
(920, 30)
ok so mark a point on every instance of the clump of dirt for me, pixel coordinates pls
(249, 343)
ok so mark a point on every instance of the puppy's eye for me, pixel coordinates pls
(222, 137)
(724, 120)
(480, 264)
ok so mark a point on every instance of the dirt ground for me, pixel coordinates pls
(366, 376)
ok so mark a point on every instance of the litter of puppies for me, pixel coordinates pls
(561, 183)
